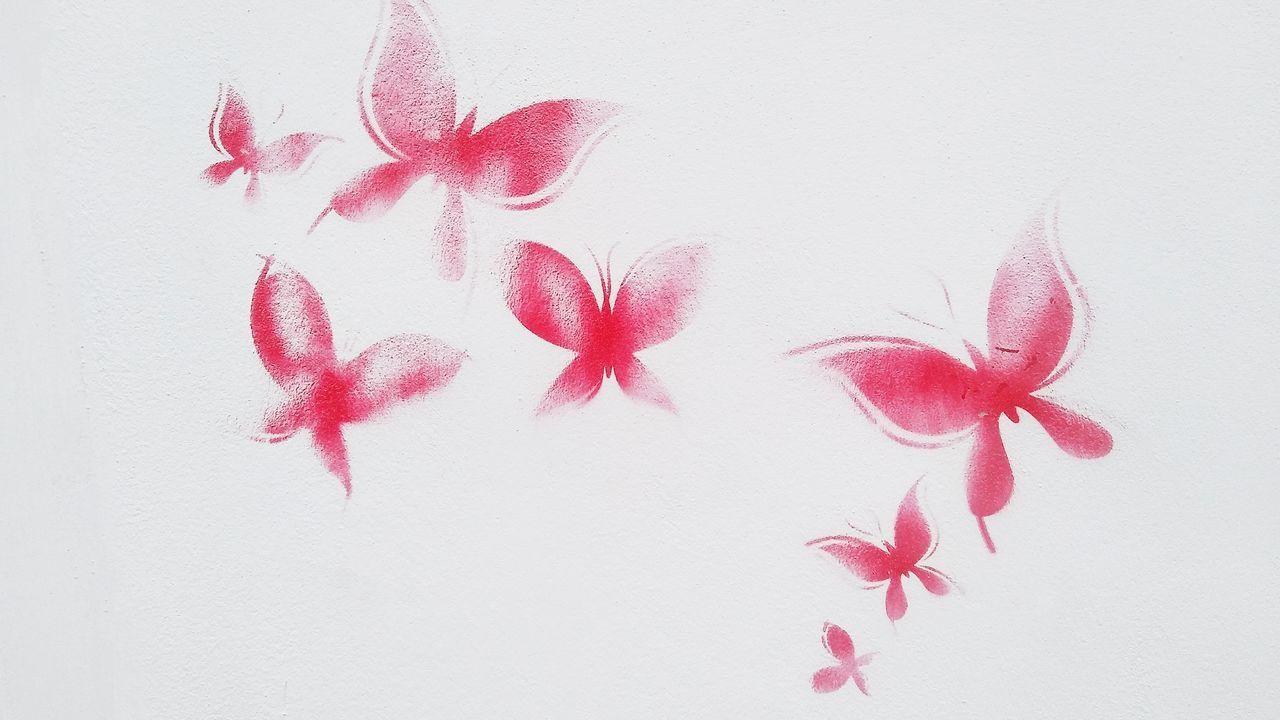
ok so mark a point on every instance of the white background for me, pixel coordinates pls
(616, 561)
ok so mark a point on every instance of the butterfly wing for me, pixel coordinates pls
(1073, 432)
(290, 326)
(865, 559)
(549, 295)
(217, 173)
(1031, 311)
(577, 383)
(913, 535)
(830, 679)
(289, 152)
(639, 383)
(837, 642)
(407, 95)
(989, 481)
(332, 448)
(231, 126)
(916, 394)
(659, 295)
(397, 369)
(527, 157)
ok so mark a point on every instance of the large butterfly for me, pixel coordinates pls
(231, 132)
(408, 102)
(292, 335)
(656, 298)
(922, 396)
(848, 667)
(914, 540)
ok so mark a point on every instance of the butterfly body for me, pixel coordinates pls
(655, 300)
(922, 396)
(292, 335)
(883, 561)
(408, 103)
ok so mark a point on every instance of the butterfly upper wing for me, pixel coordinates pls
(549, 295)
(865, 559)
(231, 126)
(837, 642)
(289, 152)
(1030, 312)
(526, 157)
(290, 325)
(396, 369)
(659, 295)
(407, 95)
(917, 394)
(913, 535)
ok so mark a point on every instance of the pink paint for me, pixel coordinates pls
(848, 665)
(231, 133)
(914, 540)
(292, 335)
(922, 396)
(656, 298)
(408, 102)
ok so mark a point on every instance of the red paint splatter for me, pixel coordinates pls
(231, 133)
(656, 298)
(849, 665)
(922, 396)
(408, 102)
(914, 540)
(295, 342)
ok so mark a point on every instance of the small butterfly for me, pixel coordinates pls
(924, 397)
(295, 343)
(656, 299)
(914, 540)
(408, 102)
(838, 643)
(231, 132)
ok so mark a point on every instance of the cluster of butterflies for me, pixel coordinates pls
(919, 395)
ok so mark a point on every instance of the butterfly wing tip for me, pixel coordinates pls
(986, 535)
(316, 223)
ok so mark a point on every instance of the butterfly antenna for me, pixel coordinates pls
(909, 316)
(319, 217)
(278, 116)
(608, 269)
(600, 274)
(986, 534)
(946, 296)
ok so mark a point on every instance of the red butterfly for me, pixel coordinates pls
(922, 396)
(656, 299)
(231, 132)
(408, 102)
(292, 335)
(914, 541)
(838, 643)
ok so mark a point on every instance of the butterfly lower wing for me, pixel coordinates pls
(372, 193)
(1073, 432)
(830, 679)
(577, 383)
(638, 383)
(659, 295)
(895, 599)
(450, 239)
(528, 156)
(989, 479)
(395, 370)
(333, 452)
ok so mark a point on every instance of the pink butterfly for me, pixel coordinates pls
(292, 335)
(914, 540)
(922, 396)
(838, 643)
(231, 132)
(408, 102)
(656, 299)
